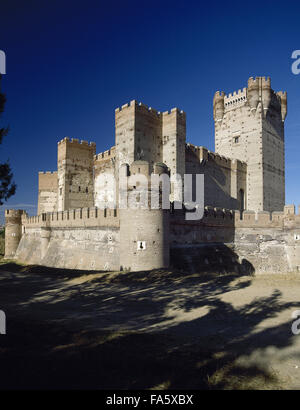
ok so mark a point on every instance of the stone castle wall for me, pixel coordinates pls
(261, 242)
(247, 171)
(77, 239)
(47, 198)
(75, 163)
(82, 217)
(142, 133)
(224, 178)
(249, 126)
(104, 163)
(222, 241)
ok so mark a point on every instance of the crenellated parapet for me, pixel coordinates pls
(141, 107)
(82, 217)
(205, 155)
(76, 142)
(47, 172)
(214, 216)
(106, 155)
(263, 219)
(258, 91)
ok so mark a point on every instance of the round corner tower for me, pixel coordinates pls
(144, 232)
(13, 231)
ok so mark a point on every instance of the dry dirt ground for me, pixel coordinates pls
(147, 330)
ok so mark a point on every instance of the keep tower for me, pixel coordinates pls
(249, 126)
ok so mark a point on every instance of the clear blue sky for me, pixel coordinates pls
(71, 63)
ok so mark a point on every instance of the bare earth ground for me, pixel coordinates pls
(160, 330)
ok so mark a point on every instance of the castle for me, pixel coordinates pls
(245, 227)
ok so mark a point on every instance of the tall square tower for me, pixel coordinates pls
(142, 133)
(75, 179)
(249, 126)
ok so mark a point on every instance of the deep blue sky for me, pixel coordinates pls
(71, 63)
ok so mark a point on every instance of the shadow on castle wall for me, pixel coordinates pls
(216, 258)
(206, 245)
(217, 181)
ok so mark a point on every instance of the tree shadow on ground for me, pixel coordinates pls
(159, 329)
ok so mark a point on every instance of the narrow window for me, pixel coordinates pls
(242, 202)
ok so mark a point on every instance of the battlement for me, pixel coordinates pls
(235, 99)
(214, 216)
(236, 94)
(205, 154)
(266, 81)
(75, 141)
(47, 172)
(138, 105)
(143, 107)
(14, 213)
(132, 103)
(282, 94)
(82, 217)
(219, 94)
(264, 219)
(174, 110)
(110, 153)
(217, 215)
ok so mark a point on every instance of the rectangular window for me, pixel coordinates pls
(236, 140)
